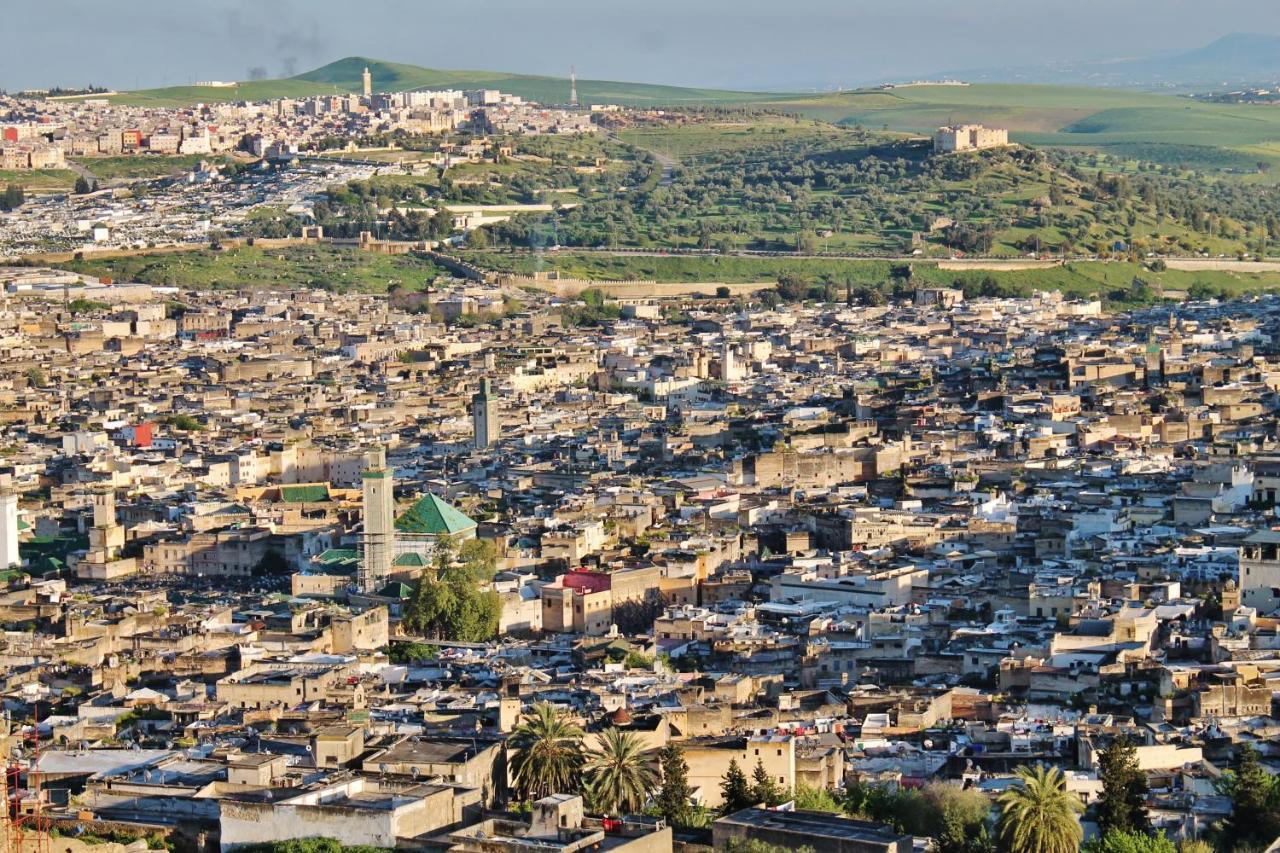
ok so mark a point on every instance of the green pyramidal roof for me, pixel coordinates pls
(433, 517)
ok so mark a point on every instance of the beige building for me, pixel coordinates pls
(968, 137)
(709, 760)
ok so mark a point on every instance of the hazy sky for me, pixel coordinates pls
(758, 44)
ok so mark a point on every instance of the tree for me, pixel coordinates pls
(35, 376)
(619, 775)
(1123, 805)
(451, 603)
(1129, 841)
(185, 423)
(548, 753)
(1038, 814)
(1255, 801)
(12, 198)
(82, 186)
(763, 788)
(674, 798)
(806, 243)
(407, 652)
(1194, 845)
(811, 799)
(955, 818)
(735, 791)
(792, 287)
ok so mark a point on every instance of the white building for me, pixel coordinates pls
(8, 530)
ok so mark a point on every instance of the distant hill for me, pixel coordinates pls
(344, 75)
(1235, 59)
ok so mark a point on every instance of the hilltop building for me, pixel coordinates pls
(968, 137)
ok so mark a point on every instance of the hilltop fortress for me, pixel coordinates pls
(968, 137)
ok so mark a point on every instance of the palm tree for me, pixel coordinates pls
(619, 773)
(1038, 814)
(548, 752)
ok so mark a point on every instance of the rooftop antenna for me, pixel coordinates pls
(573, 86)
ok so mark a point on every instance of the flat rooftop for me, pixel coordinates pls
(814, 824)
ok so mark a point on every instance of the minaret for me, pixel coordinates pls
(106, 537)
(379, 540)
(368, 82)
(8, 529)
(573, 86)
(484, 416)
(728, 371)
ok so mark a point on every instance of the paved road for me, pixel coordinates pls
(666, 162)
(668, 165)
(80, 170)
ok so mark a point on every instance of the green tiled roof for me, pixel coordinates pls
(396, 590)
(337, 555)
(409, 558)
(433, 517)
(304, 494)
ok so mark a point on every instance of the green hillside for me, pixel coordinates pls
(395, 76)
(1157, 127)
(345, 76)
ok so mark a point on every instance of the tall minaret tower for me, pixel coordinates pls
(368, 82)
(379, 540)
(573, 86)
(484, 416)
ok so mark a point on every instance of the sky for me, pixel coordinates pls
(740, 44)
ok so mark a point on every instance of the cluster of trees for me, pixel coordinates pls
(184, 422)
(617, 776)
(779, 195)
(347, 210)
(454, 600)
(592, 312)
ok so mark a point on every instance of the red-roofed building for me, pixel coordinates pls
(581, 601)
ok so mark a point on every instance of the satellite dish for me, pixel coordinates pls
(413, 771)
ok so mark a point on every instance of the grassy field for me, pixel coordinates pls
(1077, 279)
(39, 181)
(294, 267)
(685, 142)
(147, 166)
(348, 269)
(255, 90)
